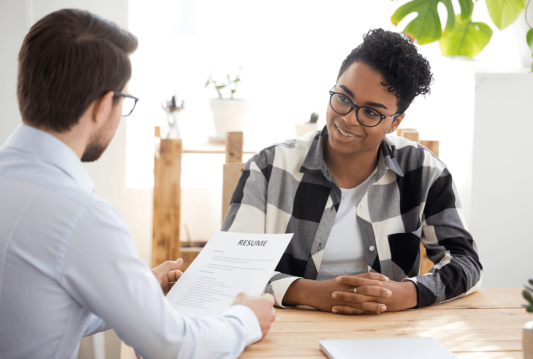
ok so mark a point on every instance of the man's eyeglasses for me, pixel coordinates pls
(128, 104)
(367, 116)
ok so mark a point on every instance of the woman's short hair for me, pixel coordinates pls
(407, 72)
(68, 60)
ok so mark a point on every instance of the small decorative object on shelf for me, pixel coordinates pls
(229, 114)
(528, 294)
(527, 337)
(171, 109)
(306, 127)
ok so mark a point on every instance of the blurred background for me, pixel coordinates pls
(290, 52)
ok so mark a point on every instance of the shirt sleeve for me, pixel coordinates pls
(102, 271)
(247, 214)
(94, 325)
(457, 271)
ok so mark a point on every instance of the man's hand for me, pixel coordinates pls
(402, 295)
(167, 274)
(263, 308)
(324, 295)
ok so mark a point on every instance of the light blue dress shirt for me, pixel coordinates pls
(69, 268)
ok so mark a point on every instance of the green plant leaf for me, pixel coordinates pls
(233, 91)
(529, 39)
(466, 39)
(206, 84)
(531, 281)
(504, 12)
(237, 80)
(467, 6)
(221, 86)
(528, 296)
(530, 309)
(426, 27)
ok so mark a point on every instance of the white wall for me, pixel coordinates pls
(13, 28)
(502, 177)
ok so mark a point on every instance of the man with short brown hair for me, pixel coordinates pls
(68, 263)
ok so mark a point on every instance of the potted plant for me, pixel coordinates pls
(229, 114)
(527, 338)
(462, 36)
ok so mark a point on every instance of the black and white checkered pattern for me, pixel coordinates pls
(410, 198)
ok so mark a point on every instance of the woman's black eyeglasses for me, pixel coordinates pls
(367, 116)
(128, 105)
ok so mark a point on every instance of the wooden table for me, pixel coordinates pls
(487, 324)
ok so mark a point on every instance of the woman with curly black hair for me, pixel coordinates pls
(360, 202)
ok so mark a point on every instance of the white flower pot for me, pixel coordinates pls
(228, 115)
(305, 127)
(521, 28)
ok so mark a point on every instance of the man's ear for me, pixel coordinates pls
(103, 107)
(396, 123)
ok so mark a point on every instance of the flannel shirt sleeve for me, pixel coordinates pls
(457, 271)
(248, 209)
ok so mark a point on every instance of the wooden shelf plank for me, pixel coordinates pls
(215, 148)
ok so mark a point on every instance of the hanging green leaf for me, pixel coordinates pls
(504, 12)
(529, 39)
(528, 296)
(426, 27)
(466, 39)
(206, 84)
(467, 6)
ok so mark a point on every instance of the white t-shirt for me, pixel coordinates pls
(344, 253)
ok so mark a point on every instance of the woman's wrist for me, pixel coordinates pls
(298, 292)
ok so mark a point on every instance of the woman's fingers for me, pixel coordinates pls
(351, 297)
(361, 308)
(347, 310)
(356, 281)
(374, 276)
(373, 291)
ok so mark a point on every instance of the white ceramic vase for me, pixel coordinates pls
(228, 115)
(305, 127)
(521, 28)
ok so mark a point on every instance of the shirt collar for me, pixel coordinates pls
(314, 161)
(51, 150)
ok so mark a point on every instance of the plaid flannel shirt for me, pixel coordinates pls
(410, 199)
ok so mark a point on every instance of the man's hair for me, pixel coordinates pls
(68, 60)
(407, 72)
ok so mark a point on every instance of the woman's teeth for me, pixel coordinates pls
(344, 133)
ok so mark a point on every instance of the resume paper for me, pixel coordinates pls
(230, 263)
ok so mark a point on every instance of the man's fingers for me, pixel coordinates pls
(346, 310)
(270, 297)
(174, 275)
(168, 266)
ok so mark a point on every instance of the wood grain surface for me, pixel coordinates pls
(486, 324)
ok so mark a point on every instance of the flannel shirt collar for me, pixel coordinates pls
(314, 160)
